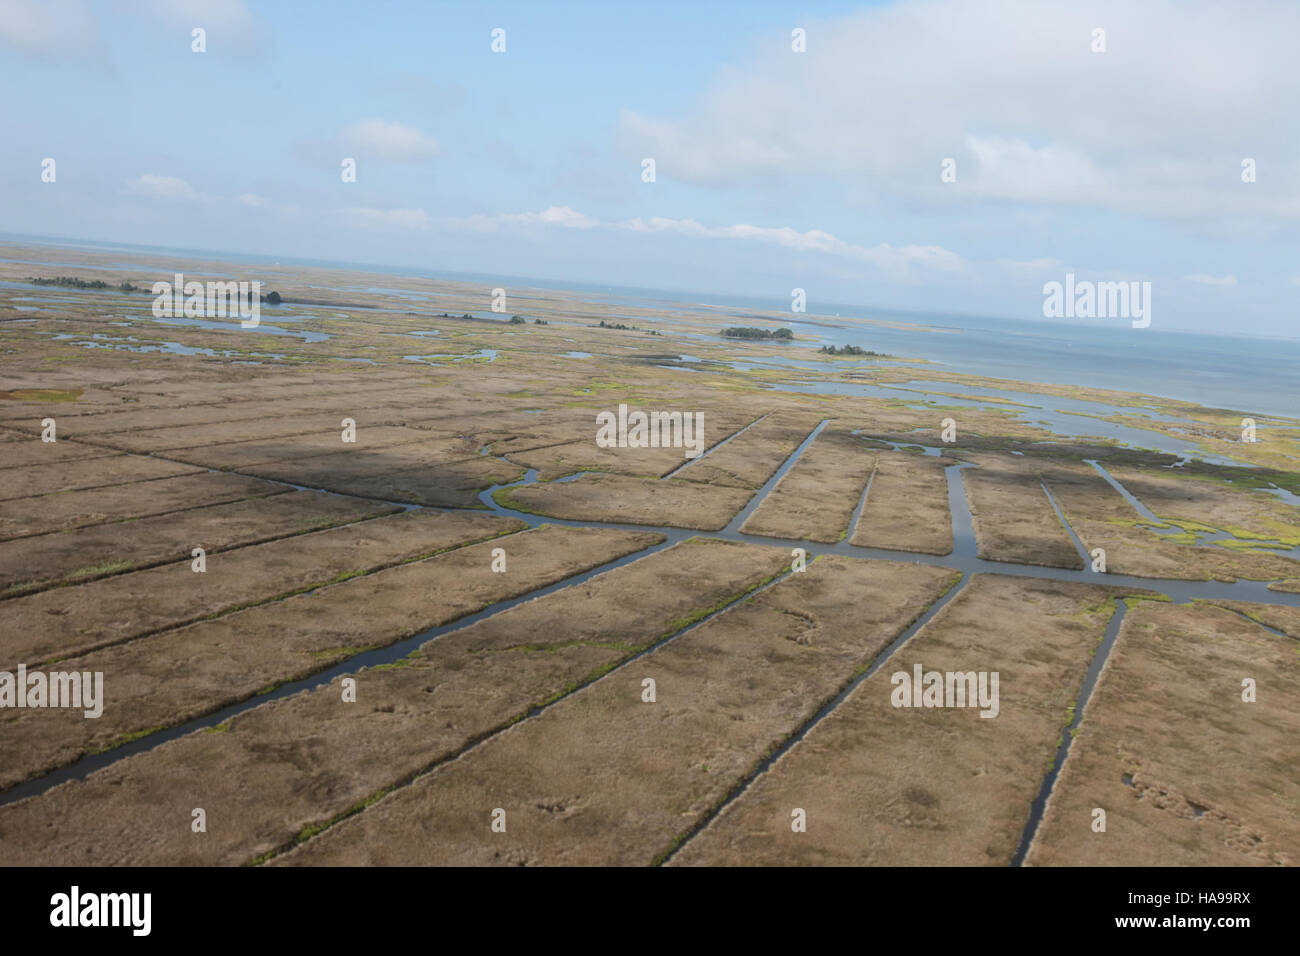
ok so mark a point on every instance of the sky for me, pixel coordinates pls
(774, 168)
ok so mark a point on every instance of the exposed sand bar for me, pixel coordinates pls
(751, 458)
(66, 622)
(907, 505)
(268, 779)
(1012, 516)
(815, 499)
(82, 554)
(178, 675)
(605, 778)
(1188, 773)
(74, 509)
(648, 501)
(927, 786)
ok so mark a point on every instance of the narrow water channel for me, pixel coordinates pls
(963, 558)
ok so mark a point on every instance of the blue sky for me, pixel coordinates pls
(774, 169)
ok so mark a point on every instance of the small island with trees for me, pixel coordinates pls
(849, 350)
(626, 328)
(72, 282)
(740, 332)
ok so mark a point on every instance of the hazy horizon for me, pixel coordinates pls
(793, 147)
(726, 298)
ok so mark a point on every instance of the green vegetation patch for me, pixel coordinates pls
(96, 570)
(849, 350)
(72, 282)
(746, 332)
(43, 394)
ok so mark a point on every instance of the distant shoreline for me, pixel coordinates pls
(1185, 367)
(735, 303)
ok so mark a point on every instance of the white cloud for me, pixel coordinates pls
(388, 218)
(897, 261)
(163, 187)
(382, 139)
(70, 29)
(228, 16)
(252, 199)
(561, 216)
(1011, 168)
(1203, 279)
(62, 28)
(1157, 125)
(1045, 264)
(554, 216)
(231, 30)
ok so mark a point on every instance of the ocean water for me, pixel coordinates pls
(1255, 375)
(1258, 376)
